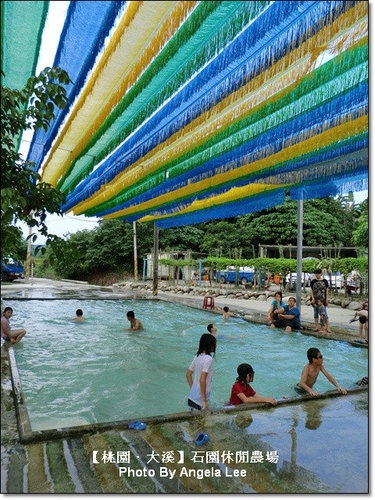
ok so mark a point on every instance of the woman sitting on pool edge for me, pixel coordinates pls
(277, 306)
(242, 392)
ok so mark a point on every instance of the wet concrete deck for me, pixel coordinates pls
(252, 449)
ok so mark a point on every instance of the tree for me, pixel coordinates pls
(325, 223)
(109, 247)
(360, 234)
(23, 196)
(185, 238)
(226, 238)
(69, 259)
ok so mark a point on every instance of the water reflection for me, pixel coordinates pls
(313, 413)
(316, 448)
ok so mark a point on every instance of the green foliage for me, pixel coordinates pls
(345, 266)
(186, 238)
(23, 196)
(361, 232)
(107, 248)
(43, 269)
(326, 222)
(110, 246)
(70, 258)
(275, 266)
(284, 266)
(225, 237)
(12, 242)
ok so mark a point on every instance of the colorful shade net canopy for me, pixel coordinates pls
(184, 112)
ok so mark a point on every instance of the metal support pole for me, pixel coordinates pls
(299, 252)
(156, 261)
(144, 270)
(135, 250)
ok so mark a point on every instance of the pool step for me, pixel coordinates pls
(195, 474)
(83, 465)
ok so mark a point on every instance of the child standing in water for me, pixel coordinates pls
(135, 324)
(203, 368)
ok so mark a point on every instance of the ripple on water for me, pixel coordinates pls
(99, 371)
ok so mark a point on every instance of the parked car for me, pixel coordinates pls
(11, 269)
(291, 279)
(228, 275)
(335, 280)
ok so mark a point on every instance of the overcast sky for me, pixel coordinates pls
(69, 224)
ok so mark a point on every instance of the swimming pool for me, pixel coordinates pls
(81, 373)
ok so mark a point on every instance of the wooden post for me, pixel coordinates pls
(28, 256)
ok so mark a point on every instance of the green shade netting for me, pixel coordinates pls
(19, 54)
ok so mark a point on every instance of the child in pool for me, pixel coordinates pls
(226, 313)
(310, 373)
(211, 328)
(213, 331)
(203, 368)
(79, 315)
(242, 392)
(135, 323)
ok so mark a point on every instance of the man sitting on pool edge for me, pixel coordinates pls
(289, 317)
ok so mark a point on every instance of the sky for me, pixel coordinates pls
(69, 224)
(63, 226)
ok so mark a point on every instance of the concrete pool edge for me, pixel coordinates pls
(27, 435)
(23, 421)
(253, 311)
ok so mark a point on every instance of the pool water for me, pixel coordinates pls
(97, 371)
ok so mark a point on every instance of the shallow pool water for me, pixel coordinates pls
(97, 371)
